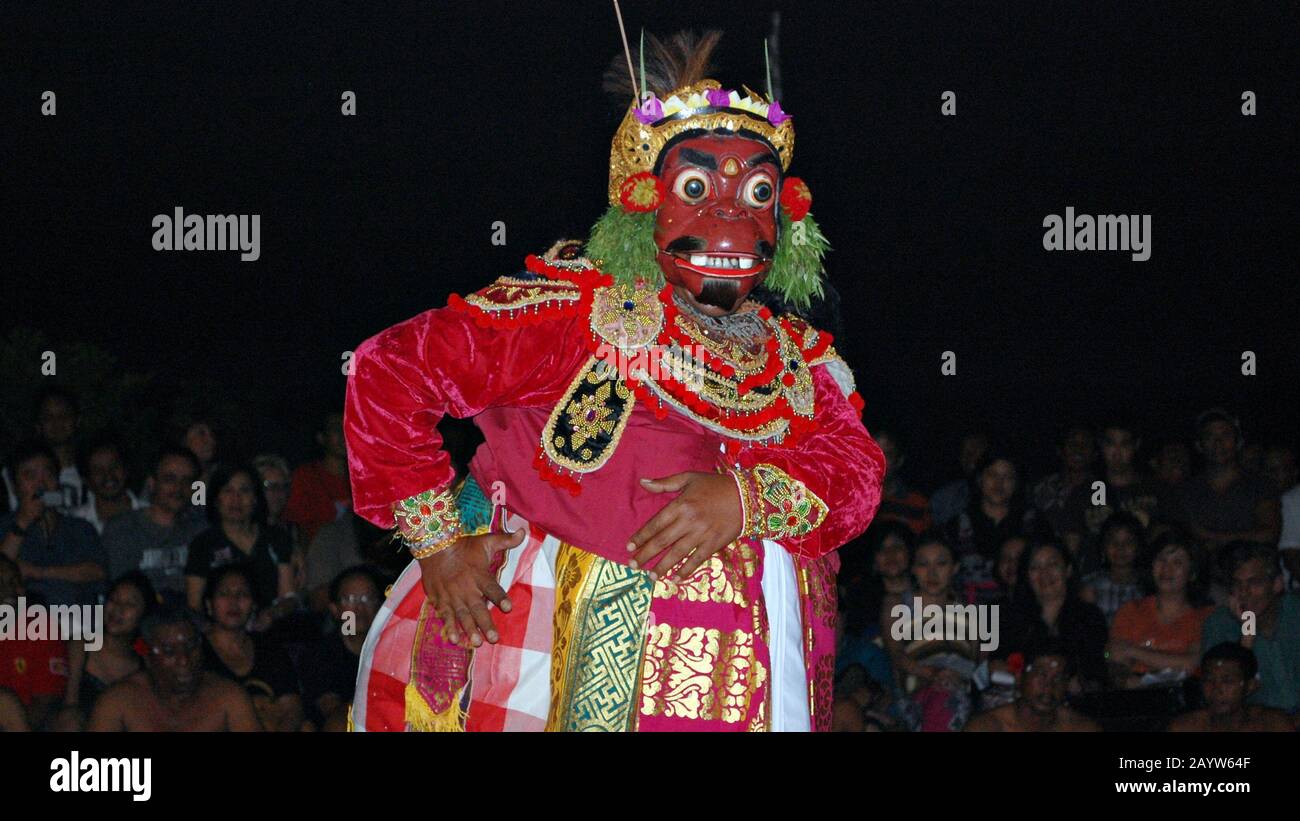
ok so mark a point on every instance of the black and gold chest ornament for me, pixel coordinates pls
(643, 348)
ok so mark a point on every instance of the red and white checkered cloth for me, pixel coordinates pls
(509, 682)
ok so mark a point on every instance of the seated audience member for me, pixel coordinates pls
(61, 559)
(1161, 633)
(900, 502)
(1005, 572)
(1040, 703)
(196, 434)
(155, 539)
(951, 499)
(35, 670)
(854, 647)
(258, 664)
(934, 674)
(1171, 465)
(173, 693)
(1120, 580)
(1047, 606)
(13, 718)
(322, 491)
(877, 567)
(330, 669)
(130, 599)
(1077, 448)
(1224, 503)
(1280, 464)
(341, 544)
(57, 417)
(873, 701)
(1274, 616)
(1227, 682)
(996, 512)
(1126, 489)
(105, 471)
(275, 476)
(239, 535)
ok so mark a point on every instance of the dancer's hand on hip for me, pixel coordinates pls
(459, 584)
(703, 519)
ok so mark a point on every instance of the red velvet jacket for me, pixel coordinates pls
(510, 357)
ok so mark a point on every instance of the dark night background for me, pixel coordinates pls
(469, 113)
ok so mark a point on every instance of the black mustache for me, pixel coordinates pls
(688, 244)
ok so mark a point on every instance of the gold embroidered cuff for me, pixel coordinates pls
(428, 522)
(749, 518)
(775, 505)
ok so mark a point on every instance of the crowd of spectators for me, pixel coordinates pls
(1133, 588)
(236, 595)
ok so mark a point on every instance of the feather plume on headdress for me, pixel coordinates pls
(683, 60)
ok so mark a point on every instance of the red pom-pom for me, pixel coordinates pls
(796, 198)
(641, 192)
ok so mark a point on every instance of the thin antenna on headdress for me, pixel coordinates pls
(627, 51)
(774, 67)
(642, 56)
(767, 64)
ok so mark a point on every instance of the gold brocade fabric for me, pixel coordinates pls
(700, 673)
(613, 664)
(600, 618)
(721, 579)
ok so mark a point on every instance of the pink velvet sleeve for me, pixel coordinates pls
(838, 461)
(406, 378)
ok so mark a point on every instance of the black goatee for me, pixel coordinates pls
(720, 293)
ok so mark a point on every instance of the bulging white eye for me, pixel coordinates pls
(759, 190)
(692, 186)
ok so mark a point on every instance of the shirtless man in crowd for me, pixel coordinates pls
(1227, 680)
(173, 692)
(1040, 706)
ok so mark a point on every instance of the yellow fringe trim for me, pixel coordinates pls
(420, 717)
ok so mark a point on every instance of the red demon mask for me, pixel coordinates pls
(716, 230)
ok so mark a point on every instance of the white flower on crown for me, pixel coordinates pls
(674, 104)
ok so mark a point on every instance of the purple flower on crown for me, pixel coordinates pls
(775, 115)
(650, 111)
(718, 98)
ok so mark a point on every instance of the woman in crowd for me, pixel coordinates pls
(239, 534)
(934, 674)
(996, 512)
(1046, 605)
(90, 673)
(1122, 541)
(276, 484)
(888, 580)
(1162, 633)
(252, 660)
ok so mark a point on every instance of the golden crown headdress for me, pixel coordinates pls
(694, 103)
